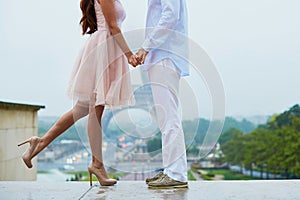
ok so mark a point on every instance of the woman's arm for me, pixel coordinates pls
(109, 12)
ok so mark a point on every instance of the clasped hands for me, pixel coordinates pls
(138, 58)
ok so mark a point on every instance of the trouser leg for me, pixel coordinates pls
(165, 84)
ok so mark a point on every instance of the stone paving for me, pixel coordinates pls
(132, 190)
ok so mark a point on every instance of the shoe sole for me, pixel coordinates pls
(168, 187)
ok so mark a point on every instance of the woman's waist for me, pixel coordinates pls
(102, 26)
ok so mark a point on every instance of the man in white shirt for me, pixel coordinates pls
(164, 53)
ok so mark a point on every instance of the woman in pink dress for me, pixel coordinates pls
(100, 78)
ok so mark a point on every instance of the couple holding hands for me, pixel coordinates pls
(101, 78)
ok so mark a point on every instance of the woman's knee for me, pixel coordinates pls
(80, 110)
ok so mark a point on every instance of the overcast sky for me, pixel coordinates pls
(255, 46)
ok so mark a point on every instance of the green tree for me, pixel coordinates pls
(285, 118)
(273, 147)
(259, 149)
(228, 135)
(288, 153)
(234, 149)
(193, 150)
(245, 126)
(154, 145)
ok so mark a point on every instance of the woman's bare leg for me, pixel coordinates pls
(63, 123)
(95, 137)
(95, 134)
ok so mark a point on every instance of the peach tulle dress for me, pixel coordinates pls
(101, 73)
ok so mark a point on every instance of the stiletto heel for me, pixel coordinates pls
(26, 141)
(27, 155)
(91, 181)
(104, 181)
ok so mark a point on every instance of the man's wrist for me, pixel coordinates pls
(145, 48)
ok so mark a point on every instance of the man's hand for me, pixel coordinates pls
(141, 55)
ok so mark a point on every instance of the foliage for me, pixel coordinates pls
(192, 150)
(210, 174)
(285, 119)
(275, 146)
(244, 126)
(228, 135)
(234, 149)
(43, 172)
(207, 178)
(190, 176)
(229, 175)
(154, 144)
(195, 130)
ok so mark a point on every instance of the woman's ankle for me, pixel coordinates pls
(96, 163)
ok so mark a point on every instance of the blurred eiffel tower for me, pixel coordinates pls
(143, 98)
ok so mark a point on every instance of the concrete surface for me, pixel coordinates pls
(127, 190)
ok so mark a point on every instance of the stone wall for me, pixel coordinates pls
(17, 123)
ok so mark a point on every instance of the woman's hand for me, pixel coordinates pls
(132, 59)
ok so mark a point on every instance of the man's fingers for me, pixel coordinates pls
(143, 57)
(138, 56)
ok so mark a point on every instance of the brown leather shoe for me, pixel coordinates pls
(156, 177)
(166, 182)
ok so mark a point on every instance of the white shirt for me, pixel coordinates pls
(166, 34)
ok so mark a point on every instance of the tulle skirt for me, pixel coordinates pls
(101, 74)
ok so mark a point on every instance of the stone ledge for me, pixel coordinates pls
(198, 190)
(20, 106)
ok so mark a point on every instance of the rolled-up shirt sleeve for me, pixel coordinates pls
(158, 35)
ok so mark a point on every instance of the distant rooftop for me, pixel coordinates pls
(12, 105)
(132, 190)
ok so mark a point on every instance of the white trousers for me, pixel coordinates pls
(164, 80)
